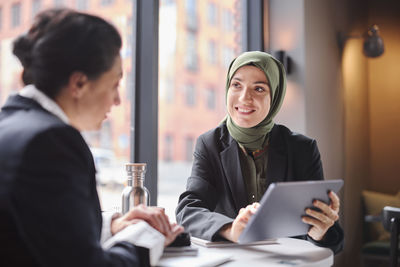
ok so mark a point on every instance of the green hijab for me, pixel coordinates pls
(253, 138)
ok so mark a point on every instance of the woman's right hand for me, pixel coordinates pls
(234, 230)
(154, 216)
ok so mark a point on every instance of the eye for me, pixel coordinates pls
(235, 85)
(260, 89)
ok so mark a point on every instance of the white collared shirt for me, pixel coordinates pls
(140, 234)
(30, 91)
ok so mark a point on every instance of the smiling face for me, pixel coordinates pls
(249, 98)
(100, 96)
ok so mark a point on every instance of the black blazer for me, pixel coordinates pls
(215, 191)
(50, 213)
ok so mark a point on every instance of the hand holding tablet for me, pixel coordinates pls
(322, 216)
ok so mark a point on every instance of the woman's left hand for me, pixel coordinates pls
(322, 220)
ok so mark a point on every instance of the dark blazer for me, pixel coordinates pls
(49, 212)
(215, 191)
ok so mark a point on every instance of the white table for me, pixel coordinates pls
(285, 252)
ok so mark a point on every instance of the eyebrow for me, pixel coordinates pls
(262, 82)
(257, 82)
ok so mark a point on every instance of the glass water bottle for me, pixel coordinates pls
(135, 193)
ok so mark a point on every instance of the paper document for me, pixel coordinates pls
(211, 244)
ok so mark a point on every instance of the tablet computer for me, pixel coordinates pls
(281, 208)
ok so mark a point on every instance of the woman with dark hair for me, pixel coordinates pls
(49, 208)
(235, 162)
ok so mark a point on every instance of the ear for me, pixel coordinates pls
(77, 84)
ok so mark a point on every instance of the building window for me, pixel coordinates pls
(82, 4)
(189, 142)
(168, 148)
(127, 49)
(227, 20)
(212, 52)
(1, 17)
(16, 15)
(130, 84)
(227, 56)
(106, 2)
(58, 3)
(212, 14)
(169, 90)
(191, 14)
(190, 95)
(36, 4)
(191, 51)
(211, 98)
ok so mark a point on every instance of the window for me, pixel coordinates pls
(212, 52)
(16, 15)
(210, 98)
(190, 7)
(227, 20)
(36, 4)
(130, 83)
(167, 90)
(58, 3)
(127, 49)
(191, 51)
(189, 143)
(168, 148)
(191, 15)
(107, 2)
(1, 17)
(212, 12)
(82, 5)
(194, 110)
(190, 95)
(227, 56)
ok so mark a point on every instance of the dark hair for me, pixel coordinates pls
(62, 41)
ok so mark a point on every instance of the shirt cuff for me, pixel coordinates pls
(140, 234)
(108, 216)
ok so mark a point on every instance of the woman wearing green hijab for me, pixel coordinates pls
(235, 162)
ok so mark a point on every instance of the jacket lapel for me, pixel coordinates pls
(233, 172)
(277, 157)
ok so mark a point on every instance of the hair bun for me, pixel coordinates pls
(22, 49)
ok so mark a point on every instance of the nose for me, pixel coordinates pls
(245, 94)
